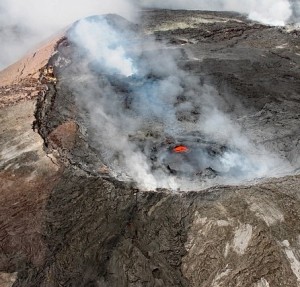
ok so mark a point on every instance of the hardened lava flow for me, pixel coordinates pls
(200, 97)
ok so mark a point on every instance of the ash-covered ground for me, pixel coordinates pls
(87, 208)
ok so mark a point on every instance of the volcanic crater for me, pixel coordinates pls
(78, 205)
(232, 82)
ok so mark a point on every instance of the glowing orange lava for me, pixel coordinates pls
(180, 149)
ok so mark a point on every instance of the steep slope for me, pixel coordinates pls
(27, 173)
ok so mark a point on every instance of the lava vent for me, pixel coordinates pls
(147, 114)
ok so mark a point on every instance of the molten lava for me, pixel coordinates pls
(180, 149)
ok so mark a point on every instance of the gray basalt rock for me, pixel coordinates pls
(66, 221)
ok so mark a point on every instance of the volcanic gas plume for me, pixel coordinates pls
(155, 122)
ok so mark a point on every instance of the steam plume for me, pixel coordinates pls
(158, 94)
(23, 24)
(266, 11)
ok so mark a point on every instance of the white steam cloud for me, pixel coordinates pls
(273, 12)
(112, 55)
(24, 24)
(153, 86)
(295, 4)
(142, 95)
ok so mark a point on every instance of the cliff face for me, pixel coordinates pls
(66, 220)
(27, 174)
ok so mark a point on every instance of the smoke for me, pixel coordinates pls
(295, 18)
(273, 12)
(24, 24)
(138, 94)
(133, 97)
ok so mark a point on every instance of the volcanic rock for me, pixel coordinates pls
(65, 220)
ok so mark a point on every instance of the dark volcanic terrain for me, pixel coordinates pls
(66, 219)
